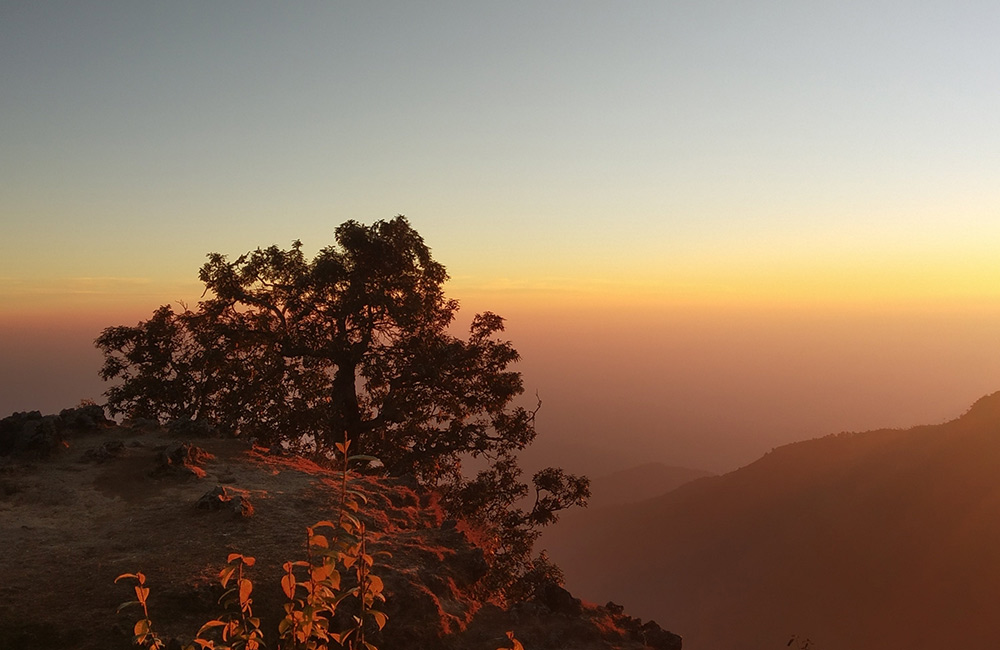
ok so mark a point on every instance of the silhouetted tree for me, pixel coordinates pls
(493, 500)
(354, 343)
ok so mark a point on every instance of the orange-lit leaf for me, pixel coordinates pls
(288, 585)
(209, 626)
(226, 574)
(245, 588)
(320, 573)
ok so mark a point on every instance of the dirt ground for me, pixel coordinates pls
(70, 524)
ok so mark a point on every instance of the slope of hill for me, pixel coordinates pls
(83, 500)
(882, 539)
(638, 483)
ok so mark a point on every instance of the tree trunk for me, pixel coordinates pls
(346, 418)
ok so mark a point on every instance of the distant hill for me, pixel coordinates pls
(625, 486)
(638, 483)
(589, 459)
(884, 539)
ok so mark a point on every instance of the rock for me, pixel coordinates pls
(659, 639)
(107, 450)
(213, 499)
(16, 429)
(32, 435)
(240, 505)
(183, 459)
(38, 438)
(219, 498)
(85, 417)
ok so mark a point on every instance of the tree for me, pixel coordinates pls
(493, 499)
(354, 344)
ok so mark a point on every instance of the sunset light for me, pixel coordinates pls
(714, 231)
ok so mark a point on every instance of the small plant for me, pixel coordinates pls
(144, 636)
(313, 600)
(237, 631)
(313, 587)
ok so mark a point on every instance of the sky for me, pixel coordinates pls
(713, 227)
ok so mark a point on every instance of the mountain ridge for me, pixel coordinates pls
(843, 539)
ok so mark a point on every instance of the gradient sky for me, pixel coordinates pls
(713, 226)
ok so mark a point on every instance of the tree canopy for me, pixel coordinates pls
(356, 343)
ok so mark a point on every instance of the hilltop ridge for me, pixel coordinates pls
(83, 500)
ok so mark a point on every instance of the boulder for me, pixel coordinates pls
(107, 450)
(219, 498)
(181, 459)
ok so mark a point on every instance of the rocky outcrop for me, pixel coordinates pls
(29, 434)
